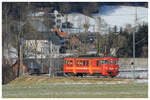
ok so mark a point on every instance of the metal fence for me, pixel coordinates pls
(54, 67)
(50, 66)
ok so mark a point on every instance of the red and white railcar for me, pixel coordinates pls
(106, 66)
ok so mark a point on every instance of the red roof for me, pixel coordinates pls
(61, 34)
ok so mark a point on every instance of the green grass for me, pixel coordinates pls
(56, 88)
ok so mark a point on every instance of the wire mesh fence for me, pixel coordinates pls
(51, 66)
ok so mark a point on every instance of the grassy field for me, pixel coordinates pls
(44, 87)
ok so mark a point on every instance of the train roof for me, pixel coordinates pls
(89, 57)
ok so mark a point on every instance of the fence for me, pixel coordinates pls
(54, 67)
(51, 66)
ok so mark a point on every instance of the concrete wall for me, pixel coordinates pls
(142, 62)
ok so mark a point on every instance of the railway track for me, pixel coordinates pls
(124, 73)
(103, 77)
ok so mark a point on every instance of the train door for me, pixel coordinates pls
(85, 64)
(104, 66)
(113, 68)
(96, 66)
(111, 64)
(68, 66)
(116, 64)
(78, 65)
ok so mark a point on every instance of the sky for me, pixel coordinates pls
(112, 15)
(122, 15)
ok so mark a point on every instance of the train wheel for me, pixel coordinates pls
(98, 75)
(79, 75)
(112, 76)
(68, 74)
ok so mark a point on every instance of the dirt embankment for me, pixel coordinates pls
(35, 80)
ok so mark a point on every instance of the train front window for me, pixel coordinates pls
(116, 62)
(104, 62)
(65, 61)
(111, 62)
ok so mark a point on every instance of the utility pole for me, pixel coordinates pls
(19, 49)
(20, 57)
(134, 43)
(6, 32)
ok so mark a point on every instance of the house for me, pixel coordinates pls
(79, 20)
(88, 37)
(74, 41)
(46, 41)
(50, 46)
(59, 39)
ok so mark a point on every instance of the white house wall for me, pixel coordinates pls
(79, 20)
(40, 44)
(44, 48)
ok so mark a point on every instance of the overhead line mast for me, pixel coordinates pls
(134, 41)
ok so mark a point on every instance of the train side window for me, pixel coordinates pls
(111, 62)
(116, 62)
(77, 62)
(105, 62)
(70, 62)
(80, 62)
(67, 62)
(87, 62)
(101, 62)
(84, 63)
(97, 63)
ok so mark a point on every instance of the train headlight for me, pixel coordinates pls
(106, 68)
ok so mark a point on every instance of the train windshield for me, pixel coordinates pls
(116, 62)
(111, 62)
(105, 62)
